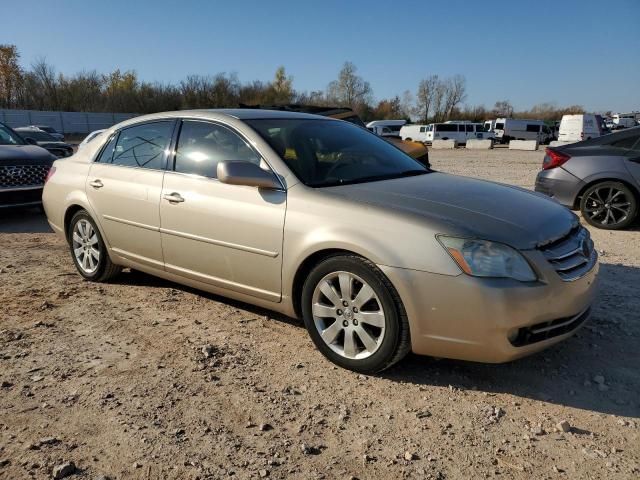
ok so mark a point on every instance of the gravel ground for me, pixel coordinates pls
(144, 379)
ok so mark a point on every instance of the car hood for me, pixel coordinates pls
(470, 207)
(24, 155)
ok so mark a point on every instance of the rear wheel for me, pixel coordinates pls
(88, 250)
(609, 205)
(354, 315)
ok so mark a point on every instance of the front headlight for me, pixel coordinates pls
(482, 258)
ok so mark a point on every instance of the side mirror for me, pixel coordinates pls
(30, 141)
(237, 172)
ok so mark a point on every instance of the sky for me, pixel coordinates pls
(563, 51)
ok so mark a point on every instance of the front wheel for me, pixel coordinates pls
(88, 250)
(354, 315)
(609, 205)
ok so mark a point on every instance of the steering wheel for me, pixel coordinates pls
(342, 162)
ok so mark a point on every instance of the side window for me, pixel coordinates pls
(202, 145)
(628, 142)
(423, 129)
(107, 154)
(533, 128)
(469, 127)
(143, 146)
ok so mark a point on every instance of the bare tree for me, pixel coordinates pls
(503, 108)
(10, 75)
(456, 88)
(425, 97)
(350, 89)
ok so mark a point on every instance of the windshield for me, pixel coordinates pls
(38, 135)
(9, 137)
(326, 153)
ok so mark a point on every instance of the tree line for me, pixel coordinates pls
(436, 99)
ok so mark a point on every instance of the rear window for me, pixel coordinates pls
(631, 142)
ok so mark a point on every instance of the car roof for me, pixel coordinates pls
(255, 113)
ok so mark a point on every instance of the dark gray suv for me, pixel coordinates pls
(600, 177)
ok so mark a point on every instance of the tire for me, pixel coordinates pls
(83, 236)
(609, 205)
(408, 139)
(388, 340)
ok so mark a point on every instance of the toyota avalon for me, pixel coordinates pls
(320, 219)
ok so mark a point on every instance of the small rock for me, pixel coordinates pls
(208, 351)
(102, 477)
(538, 430)
(423, 414)
(137, 465)
(263, 473)
(264, 427)
(602, 387)
(408, 456)
(309, 450)
(63, 470)
(6, 384)
(599, 379)
(563, 426)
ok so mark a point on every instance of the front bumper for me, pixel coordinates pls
(560, 185)
(491, 320)
(20, 197)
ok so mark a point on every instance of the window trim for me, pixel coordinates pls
(116, 134)
(171, 158)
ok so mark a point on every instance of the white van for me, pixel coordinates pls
(507, 129)
(458, 131)
(386, 128)
(574, 128)
(624, 120)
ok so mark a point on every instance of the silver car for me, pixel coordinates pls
(320, 219)
(600, 177)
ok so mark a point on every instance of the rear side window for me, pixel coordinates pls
(423, 129)
(533, 128)
(107, 153)
(202, 145)
(142, 146)
(632, 142)
(447, 127)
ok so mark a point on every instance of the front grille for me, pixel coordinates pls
(20, 176)
(572, 256)
(546, 330)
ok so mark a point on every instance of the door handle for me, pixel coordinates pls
(174, 197)
(97, 183)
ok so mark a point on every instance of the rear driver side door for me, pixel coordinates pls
(123, 188)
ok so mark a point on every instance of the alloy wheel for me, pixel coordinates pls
(348, 315)
(607, 206)
(86, 247)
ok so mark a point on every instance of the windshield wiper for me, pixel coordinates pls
(371, 178)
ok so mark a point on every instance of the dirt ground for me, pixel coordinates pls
(145, 379)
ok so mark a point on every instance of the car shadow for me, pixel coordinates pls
(141, 279)
(23, 220)
(567, 373)
(564, 374)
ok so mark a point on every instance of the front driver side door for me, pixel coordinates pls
(229, 236)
